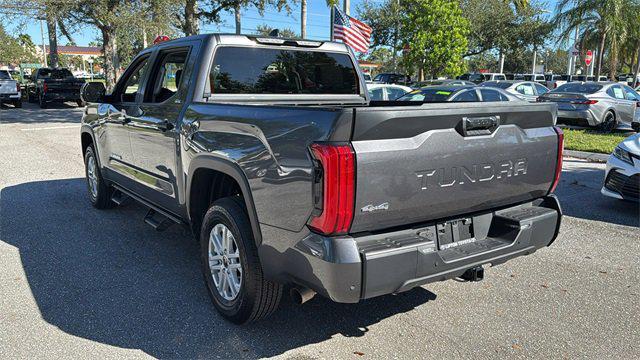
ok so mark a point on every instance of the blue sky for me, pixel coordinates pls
(317, 22)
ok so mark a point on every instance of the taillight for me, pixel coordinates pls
(335, 188)
(556, 179)
(44, 87)
(555, 85)
(584, 102)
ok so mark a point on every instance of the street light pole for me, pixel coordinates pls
(535, 54)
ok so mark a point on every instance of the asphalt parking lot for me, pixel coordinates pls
(78, 282)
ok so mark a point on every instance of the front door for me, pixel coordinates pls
(121, 110)
(154, 135)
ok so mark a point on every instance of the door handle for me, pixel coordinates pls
(484, 125)
(165, 125)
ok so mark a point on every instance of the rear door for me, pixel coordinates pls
(422, 163)
(154, 132)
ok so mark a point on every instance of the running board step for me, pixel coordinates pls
(158, 221)
(119, 198)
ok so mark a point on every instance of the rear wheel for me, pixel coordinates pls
(609, 123)
(99, 192)
(231, 266)
(41, 101)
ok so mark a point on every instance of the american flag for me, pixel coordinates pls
(350, 31)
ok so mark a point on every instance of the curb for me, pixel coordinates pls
(593, 157)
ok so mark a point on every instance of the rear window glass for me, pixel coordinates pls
(501, 85)
(428, 95)
(239, 70)
(4, 75)
(55, 74)
(578, 88)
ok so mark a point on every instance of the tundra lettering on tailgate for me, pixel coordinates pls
(460, 175)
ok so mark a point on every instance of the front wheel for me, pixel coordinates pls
(99, 191)
(231, 266)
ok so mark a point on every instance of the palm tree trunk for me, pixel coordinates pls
(613, 59)
(53, 41)
(635, 76)
(303, 19)
(603, 39)
(238, 13)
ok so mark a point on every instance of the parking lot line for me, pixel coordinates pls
(50, 128)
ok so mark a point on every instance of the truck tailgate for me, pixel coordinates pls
(422, 163)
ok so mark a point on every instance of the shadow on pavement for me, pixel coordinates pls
(579, 194)
(55, 113)
(107, 277)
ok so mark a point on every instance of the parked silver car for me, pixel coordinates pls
(525, 90)
(605, 105)
(458, 93)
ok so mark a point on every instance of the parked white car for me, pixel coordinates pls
(386, 92)
(9, 90)
(622, 177)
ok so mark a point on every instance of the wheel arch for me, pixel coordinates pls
(217, 178)
(86, 139)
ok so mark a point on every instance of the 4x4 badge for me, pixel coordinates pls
(371, 208)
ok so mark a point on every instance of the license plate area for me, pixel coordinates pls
(454, 233)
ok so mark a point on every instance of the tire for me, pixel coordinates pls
(17, 103)
(42, 102)
(609, 122)
(101, 197)
(255, 297)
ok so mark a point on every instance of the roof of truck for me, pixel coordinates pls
(249, 40)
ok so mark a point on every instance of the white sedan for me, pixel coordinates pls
(386, 92)
(622, 178)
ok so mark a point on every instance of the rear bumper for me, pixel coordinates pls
(10, 97)
(61, 96)
(351, 268)
(577, 117)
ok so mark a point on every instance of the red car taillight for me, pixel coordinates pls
(585, 102)
(44, 87)
(334, 193)
(556, 179)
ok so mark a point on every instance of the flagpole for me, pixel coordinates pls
(347, 6)
(331, 25)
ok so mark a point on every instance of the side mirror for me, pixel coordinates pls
(93, 92)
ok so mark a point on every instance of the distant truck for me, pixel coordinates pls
(9, 90)
(54, 85)
(272, 152)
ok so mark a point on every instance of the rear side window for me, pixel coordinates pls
(489, 95)
(394, 93)
(239, 70)
(468, 95)
(376, 94)
(541, 89)
(167, 75)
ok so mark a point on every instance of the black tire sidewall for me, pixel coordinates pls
(610, 123)
(103, 198)
(228, 212)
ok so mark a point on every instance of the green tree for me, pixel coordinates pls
(436, 33)
(265, 29)
(384, 19)
(601, 23)
(15, 50)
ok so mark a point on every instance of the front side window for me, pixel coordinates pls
(167, 75)
(127, 88)
(239, 70)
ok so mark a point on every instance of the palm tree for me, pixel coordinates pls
(602, 19)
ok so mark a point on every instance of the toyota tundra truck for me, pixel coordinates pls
(272, 153)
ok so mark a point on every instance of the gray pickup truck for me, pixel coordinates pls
(271, 152)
